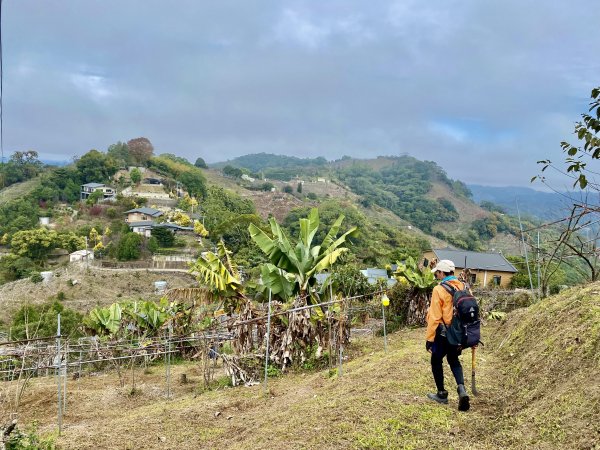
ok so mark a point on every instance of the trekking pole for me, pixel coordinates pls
(473, 387)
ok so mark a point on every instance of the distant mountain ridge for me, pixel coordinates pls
(532, 203)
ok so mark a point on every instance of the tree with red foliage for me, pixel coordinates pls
(140, 150)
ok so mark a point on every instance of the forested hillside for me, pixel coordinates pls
(418, 192)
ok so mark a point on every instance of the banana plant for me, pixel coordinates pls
(220, 274)
(422, 280)
(104, 321)
(149, 317)
(302, 261)
(421, 283)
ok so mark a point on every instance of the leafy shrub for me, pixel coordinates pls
(273, 371)
(13, 267)
(36, 277)
(41, 320)
(153, 245)
(29, 440)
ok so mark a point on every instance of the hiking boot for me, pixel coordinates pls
(463, 398)
(440, 397)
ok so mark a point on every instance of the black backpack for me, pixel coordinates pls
(464, 331)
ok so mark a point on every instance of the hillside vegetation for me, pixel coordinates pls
(92, 288)
(536, 377)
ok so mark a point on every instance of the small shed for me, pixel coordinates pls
(81, 256)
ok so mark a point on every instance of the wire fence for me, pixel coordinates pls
(254, 335)
(61, 357)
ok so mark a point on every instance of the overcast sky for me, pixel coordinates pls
(484, 88)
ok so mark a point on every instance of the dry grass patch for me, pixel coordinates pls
(535, 393)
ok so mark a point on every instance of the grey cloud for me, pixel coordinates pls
(483, 88)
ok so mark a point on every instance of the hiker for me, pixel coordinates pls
(439, 317)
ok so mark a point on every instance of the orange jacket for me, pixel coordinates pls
(441, 306)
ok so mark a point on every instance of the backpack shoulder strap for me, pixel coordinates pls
(448, 287)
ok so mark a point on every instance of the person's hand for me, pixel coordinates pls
(428, 346)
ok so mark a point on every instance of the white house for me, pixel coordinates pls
(89, 188)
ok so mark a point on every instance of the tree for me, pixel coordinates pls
(220, 274)
(140, 150)
(96, 167)
(571, 249)
(200, 163)
(120, 153)
(129, 247)
(267, 187)
(194, 182)
(187, 203)
(299, 188)
(135, 175)
(164, 236)
(181, 219)
(70, 241)
(41, 320)
(588, 133)
(94, 197)
(232, 171)
(21, 166)
(94, 237)
(153, 245)
(293, 270)
(14, 267)
(199, 229)
(288, 189)
(34, 244)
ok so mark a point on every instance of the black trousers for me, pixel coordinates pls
(440, 349)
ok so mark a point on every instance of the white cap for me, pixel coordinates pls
(445, 265)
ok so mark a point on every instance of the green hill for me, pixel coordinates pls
(18, 190)
(418, 192)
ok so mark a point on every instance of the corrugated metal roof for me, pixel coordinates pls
(148, 211)
(173, 226)
(143, 223)
(475, 260)
(93, 185)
